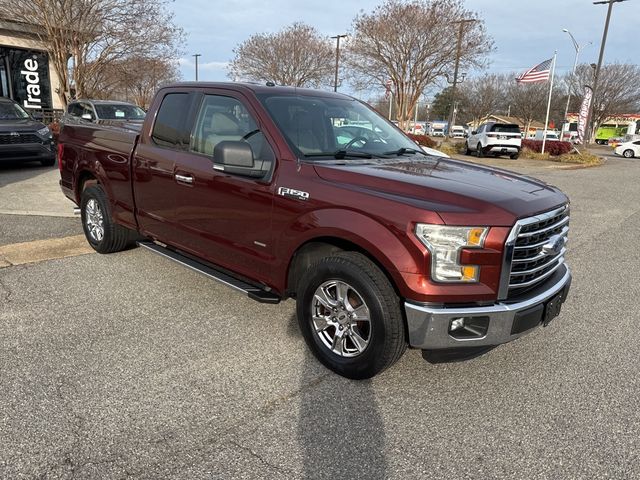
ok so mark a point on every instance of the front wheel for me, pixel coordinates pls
(350, 316)
(101, 232)
(467, 150)
(479, 152)
(627, 153)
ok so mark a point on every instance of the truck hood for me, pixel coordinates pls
(459, 192)
(20, 125)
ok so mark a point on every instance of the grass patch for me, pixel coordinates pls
(582, 158)
(451, 148)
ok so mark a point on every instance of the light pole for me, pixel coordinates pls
(600, 57)
(457, 66)
(573, 72)
(337, 37)
(196, 55)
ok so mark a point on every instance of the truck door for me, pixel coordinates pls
(224, 218)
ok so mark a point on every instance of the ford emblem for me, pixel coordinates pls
(554, 245)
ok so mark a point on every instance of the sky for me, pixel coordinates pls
(525, 32)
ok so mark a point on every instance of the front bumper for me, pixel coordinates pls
(27, 152)
(428, 325)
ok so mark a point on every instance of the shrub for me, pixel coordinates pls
(552, 147)
(422, 140)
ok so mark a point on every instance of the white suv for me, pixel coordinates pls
(495, 139)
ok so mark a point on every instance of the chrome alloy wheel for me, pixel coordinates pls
(341, 319)
(94, 220)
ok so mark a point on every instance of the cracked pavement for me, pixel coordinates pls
(129, 366)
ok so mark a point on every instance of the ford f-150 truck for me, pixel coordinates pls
(382, 245)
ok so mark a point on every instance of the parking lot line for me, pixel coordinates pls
(41, 250)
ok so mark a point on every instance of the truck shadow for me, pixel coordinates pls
(340, 429)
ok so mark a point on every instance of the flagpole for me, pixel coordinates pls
(390, 104)
(546, 120)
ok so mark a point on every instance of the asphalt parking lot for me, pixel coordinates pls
(129, 366)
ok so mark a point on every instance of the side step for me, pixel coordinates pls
(252, 291)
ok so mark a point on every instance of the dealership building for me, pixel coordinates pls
(26, 75)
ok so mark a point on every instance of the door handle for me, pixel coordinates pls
(184, 178)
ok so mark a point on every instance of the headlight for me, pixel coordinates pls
(444, 244)
(44, 132)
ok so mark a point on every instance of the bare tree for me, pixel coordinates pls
(529, 102)
(618, 90)
(413, 43)
(485, 95)
(97, 34)
(298, 56)
(134, 79)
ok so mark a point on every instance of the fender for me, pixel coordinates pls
(387, 248)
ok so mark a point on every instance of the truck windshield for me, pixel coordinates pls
(10, 111)
(119, 112)
(317, 126)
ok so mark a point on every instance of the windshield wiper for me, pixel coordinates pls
(403, 150)
(341, 154)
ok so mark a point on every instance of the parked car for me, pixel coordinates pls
(628, 149)
(22, 138)
(457, 131)
(552, 135)
(381, 245)
(103, 111)
(494, 138)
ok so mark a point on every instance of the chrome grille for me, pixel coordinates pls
(535, 249)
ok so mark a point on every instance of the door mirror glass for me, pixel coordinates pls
(87, 116)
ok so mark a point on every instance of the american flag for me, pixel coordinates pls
(539, 73)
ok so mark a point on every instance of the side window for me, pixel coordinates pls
(75, 109)
(225, 118)
(169, 129)
(87, 110)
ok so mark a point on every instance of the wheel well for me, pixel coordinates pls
(85, 179)
(312, 251)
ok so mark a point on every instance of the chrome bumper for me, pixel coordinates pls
(428, 325)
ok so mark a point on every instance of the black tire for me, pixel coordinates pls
(514, 156)
(386, 332)
(479, 152)
(467, 150)
(115, 237)
(627, 153)
(49, 162)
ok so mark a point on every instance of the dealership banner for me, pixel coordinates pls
(28, 75)
(584, 113)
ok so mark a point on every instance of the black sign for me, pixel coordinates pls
(28, 72)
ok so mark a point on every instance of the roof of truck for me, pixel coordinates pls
(261, 88)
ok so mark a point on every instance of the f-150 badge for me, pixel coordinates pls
(292, 193)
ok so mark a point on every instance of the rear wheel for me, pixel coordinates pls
(514, 156)
(627, 153)
(479, 152)
(350, 316)
(102, 233)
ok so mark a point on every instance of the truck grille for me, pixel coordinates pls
(8, 139)
(537, 249)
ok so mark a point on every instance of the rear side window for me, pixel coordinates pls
(169, 129)
(506, 128)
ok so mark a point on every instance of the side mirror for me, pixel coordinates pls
(474, 132)
(87, 116)
(235, 157)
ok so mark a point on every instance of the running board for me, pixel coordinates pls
(252, 291)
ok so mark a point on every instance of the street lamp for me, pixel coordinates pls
(196, 55)
(599, 65)
(337, 37)
(575, 64)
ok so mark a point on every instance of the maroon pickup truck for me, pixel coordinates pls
(287, 192)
